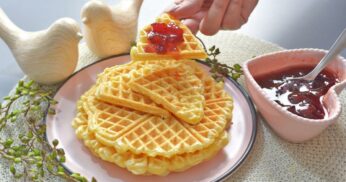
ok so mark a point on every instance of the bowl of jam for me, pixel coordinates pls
(296, 109)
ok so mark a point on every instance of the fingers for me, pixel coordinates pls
(194, 21)
(185, 8)
(237, 13)
(212, 21)
(248, 7)
(233, 19)
(211, 15)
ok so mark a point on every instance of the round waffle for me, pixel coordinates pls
(138, 163)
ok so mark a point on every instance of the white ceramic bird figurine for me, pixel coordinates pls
(48, 56)
(110, 30)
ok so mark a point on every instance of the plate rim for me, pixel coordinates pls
(247, 97)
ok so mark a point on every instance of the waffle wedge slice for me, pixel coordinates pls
(190, 48)
(114, 89)
(177, 89)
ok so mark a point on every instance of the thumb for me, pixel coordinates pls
(184, 8)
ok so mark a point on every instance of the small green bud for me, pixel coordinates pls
(20, 83)
(36, 152)
(50, 167)
(16, 112)
(18, 90)
(28, 84)
(17, 160)
(15, 148)
(38, 158)
(53, 155)
(62, 159)
(212, 48)
(13, 119)
(237, 67)
(75, 175)
(10, 152)
(36, 107)
(12, 169)
(39, 164)
(30, 135)
(55, 142)
(61, 169)
(61, 173)
(8, 143)
(15, 97)
(60, 151)
(217, 51)
(53, 102)
(32, 93)
(51, 111)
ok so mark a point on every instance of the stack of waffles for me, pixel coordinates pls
(156, 114)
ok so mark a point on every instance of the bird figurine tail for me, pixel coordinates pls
(9, 32)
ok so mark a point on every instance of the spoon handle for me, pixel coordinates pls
(337, 47)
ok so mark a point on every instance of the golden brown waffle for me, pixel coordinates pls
(141, 164)
(114, 89)
(175, 88)
(189, 49)
(109, 73)
(130, 130)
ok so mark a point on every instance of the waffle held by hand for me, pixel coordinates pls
(189, 48)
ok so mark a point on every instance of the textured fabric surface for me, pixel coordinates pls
(272, 158)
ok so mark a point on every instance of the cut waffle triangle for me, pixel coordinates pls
(177, 89)
(138, 163)
(114, 89)
(190, 48)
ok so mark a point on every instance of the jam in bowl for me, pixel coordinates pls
(301, 97)
(297, 110)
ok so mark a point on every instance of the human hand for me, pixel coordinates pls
(209, 16)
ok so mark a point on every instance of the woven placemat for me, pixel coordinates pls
(271, 159)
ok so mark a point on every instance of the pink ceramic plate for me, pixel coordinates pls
(80, 160)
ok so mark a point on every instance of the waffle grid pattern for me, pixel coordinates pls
(141, 164)
(176, 89)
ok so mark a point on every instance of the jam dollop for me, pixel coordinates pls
(164, 38)
(298, 96)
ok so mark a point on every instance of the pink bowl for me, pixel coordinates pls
(286, 124)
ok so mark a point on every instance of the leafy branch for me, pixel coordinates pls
(30, 156)
(219, 70)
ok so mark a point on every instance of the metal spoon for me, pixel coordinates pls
(337, 47)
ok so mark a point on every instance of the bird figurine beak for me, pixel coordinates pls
(85, 20)
(79, 36)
